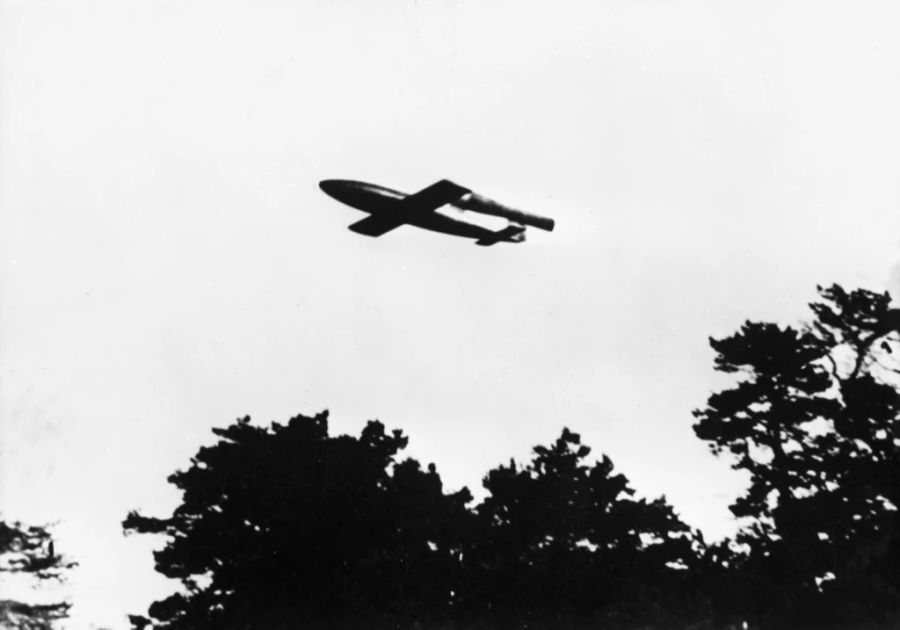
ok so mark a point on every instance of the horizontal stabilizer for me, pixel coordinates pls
(512, 233)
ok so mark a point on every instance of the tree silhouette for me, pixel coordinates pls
(28, 550)
(815, 419)
(565, 543)
(289, 527)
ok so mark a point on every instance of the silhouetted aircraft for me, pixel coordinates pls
(389, 209)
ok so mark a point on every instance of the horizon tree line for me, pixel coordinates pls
(287, 526)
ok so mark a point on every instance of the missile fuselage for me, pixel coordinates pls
(375, 199)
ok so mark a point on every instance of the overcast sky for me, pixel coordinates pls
(168, 264)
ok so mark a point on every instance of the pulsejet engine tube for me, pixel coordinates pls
(473, 202)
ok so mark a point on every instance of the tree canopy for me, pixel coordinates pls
(815, 419)
(284, 525)
(287, 526)
(564, 541)
(28, 550)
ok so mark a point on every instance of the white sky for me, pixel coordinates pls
(168, 264)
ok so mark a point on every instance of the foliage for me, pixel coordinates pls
(290, 527)
(284, 526)
(28, 550)
(815, 419)
(565, 542)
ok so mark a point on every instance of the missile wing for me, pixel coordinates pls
(426, 200)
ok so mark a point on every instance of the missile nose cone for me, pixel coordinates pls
(344, 190)
(359, 195)
(330, 187)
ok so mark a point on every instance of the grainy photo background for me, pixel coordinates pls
(168, 263)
